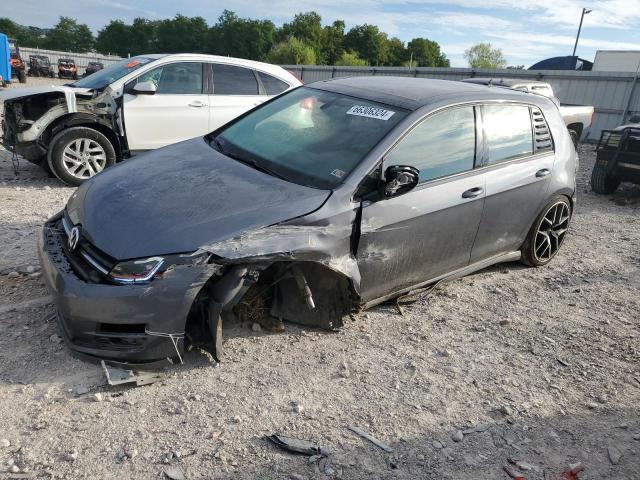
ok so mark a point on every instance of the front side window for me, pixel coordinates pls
(184, 78)
(232, 80)
(443, 144)
(308, 136)
(507, 129)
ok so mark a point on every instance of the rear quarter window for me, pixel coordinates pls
(271, 84)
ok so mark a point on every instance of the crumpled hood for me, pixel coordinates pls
(179, 198)
(69, 93)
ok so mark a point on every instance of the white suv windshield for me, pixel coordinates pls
(308, 136)
(110, 74)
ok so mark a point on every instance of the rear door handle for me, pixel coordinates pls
(197, 104)
(473, 192)
(543, 173)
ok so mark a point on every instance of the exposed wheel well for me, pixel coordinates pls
(576, 127)
(72, 120)
(279, 289)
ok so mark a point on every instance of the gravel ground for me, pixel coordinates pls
(540, 366)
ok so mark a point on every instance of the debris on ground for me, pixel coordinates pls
(119, 376)
(295, 445)
(371, 438)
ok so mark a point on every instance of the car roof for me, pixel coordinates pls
(265, 67)
(413, 93)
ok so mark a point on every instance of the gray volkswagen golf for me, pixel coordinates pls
(330, 198)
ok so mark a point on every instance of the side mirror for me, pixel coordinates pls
(399, 179)
(145, 88)
(635, 119)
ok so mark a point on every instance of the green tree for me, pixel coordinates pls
(332, 38)
(397, 53)
(114, 38)
(350, 59)
(182, 35)
(144, 36)
(307, 28)
(69, 35)
(483, 55)
(426, 53)
(368, 42)
(25, 36)
(292, 52)
(239, 37)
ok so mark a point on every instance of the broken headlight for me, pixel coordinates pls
(145, 269)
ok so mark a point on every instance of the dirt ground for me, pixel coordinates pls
(540, 366)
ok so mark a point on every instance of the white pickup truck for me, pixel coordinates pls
(577, 118)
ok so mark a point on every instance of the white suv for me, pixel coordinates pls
(140, 103)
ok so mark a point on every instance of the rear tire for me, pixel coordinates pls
(22, 77)
(547, 233)
(78, 153)
(603, 182)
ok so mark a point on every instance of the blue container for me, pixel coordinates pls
(5, 58)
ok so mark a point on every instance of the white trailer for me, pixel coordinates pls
(617, 61)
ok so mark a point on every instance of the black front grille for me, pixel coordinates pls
(88, 262)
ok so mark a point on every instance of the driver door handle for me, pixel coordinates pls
(197, 104)
(473, 192)
(543, 173)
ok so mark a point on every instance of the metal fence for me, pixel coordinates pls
(615, 96)
(81, 59)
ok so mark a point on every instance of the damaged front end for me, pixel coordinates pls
(303, 274)
(281, 273)
(32, 117)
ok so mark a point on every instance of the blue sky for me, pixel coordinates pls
(526, 31)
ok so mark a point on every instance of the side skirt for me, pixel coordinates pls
(461, 272)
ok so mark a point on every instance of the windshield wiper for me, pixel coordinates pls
(247, 161)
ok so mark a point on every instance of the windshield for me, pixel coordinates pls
(104, 77)
(308, 136)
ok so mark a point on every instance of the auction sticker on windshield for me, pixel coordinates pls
(370, 112)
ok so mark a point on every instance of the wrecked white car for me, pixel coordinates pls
(327, 199)
(138, 104)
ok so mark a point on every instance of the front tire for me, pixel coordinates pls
(547, 233)
(603, 182)
(22, 77)
(77, 154)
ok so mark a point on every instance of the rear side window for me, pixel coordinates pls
(232, 80)
(443, 144)
(175, 78)
(507, 129)
(271, 84)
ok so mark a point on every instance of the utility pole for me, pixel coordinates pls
(585, 11)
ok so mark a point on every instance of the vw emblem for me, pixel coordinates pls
(74, 238)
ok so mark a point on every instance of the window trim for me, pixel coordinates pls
(131, 83)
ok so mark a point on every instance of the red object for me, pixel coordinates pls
(570, 473)
(512, 473)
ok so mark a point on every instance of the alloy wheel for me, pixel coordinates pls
(551, 231)
(83, 158)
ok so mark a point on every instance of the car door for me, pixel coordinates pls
(235, 90)
(177, 111)
(519, 164)
(430, 230)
